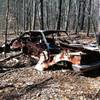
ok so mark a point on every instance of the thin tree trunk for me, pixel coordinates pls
(31, 14)
(78, 18)
(67, 24)
(99, 17)
(47, 19)
(35, 14)
(98, 33)
(27, 19)
(89, 14)
(7, 15)
(42, 19)
(23, 14)
(59, 18)
(17, 16)
(27, 14)
(83, 14)
(75, 16)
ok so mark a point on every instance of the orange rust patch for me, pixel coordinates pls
(62, 56)
(17, 44)
(75, 59)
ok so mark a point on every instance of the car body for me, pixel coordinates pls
(48, 47)
(47, 37)
(44, 40)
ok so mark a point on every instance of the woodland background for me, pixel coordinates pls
(70, 15)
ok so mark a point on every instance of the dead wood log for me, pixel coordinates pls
(8, 58)
(41, 84)
(9, 72)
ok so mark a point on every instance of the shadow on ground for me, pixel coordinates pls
(93, 73)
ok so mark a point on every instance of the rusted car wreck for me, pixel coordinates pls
(50, 47)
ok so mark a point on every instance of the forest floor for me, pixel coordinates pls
(23, 82)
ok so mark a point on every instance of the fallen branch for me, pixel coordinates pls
(33, 86)
(98, 91)
(6, 86)
(8, 72)
(8, 58)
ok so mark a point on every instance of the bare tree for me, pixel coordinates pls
(99, 17)
(23, 14)
(35, 14)
(59, 18)
(78, 16)
(89, 15)
(83, 13)
(68, 19)
(7, 14)
(47, 15)
(53, 14)
(42, 19)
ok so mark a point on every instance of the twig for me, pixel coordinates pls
(6, 85)
(38, 85)
(8, 58)
(8, 72)
(96, 94)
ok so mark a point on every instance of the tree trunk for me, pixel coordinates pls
(99, 17)
(78, 18)
(35, 14)
(42, 19)
(17, 17)
(23, 14)
(30, 14)
(98, 33)
(59, 18)
(6, 31)
(89, 15)
(83, 14)
(47, 19)
(67, 24)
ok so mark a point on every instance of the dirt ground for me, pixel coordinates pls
(28, 84)
(23, 82)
